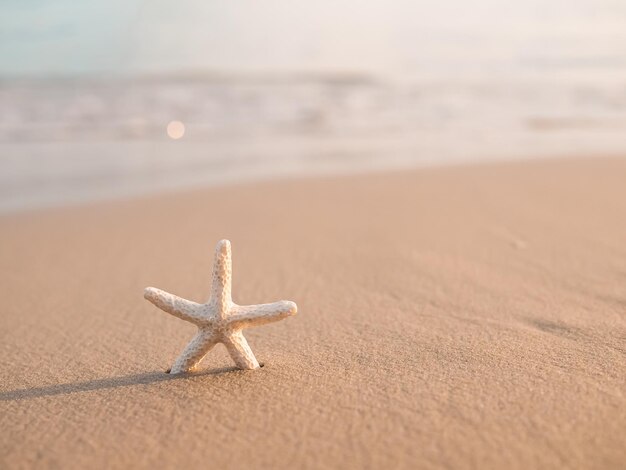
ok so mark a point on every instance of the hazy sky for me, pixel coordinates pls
(48, 37)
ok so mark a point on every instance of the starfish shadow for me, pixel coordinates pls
(102, 384)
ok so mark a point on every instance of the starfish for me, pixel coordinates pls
(219, 320)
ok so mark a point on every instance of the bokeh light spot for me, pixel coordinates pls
(175, 130)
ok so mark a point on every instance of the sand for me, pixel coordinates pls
(463, 317)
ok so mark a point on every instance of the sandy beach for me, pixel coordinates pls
(460, 317)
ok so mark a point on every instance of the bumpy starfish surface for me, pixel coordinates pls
(219, 320)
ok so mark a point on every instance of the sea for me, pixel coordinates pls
(277, 89)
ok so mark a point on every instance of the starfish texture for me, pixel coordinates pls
(219, 320)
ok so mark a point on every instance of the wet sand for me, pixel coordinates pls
(461, 317)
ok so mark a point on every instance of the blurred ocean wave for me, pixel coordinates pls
(72, 140)
(228, 107)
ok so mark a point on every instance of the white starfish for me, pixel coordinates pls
(219, 320)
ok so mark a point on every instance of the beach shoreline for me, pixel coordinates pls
(87, 139)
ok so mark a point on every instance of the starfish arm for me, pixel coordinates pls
(222, 275)
(177, 306)
(240, 351)
(195, 351)
(255, 315)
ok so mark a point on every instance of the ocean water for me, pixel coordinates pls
(278, 89)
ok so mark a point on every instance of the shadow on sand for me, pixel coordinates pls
(101, 384)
